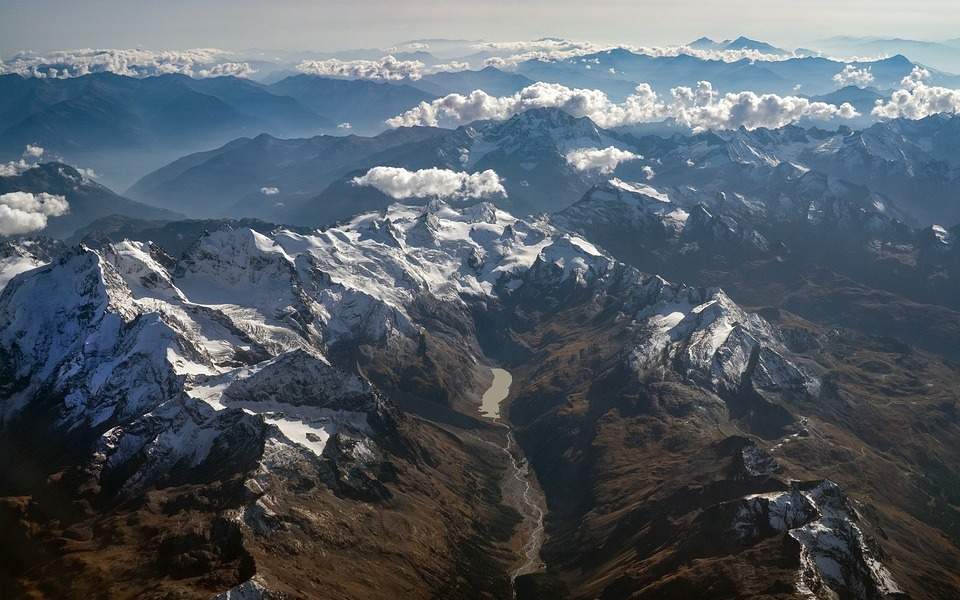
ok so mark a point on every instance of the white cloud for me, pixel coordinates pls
(648, 172)
(134, 62)
(269, 191)
(454, 65)
(702, 108)
(28, 160)
(233, 69)
(410, 47)
(595, 159)
(387, 68)
(699, 108)
(497, 62)
(916, 99)
(399, 183)
(850, 75)
(344, 125)
(915, 78)
(24, 212)
(33, 151)
(13, 168)
(506, 55)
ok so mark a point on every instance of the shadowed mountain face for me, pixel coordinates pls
(312, 176)
(88, 201)
(364, 105)
(490, 79)
(123, 127)
(264, 176)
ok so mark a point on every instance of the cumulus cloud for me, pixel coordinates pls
(596, 159)
(648, 172)
(850, 75)
(699, 108)
(269, 191)
(24, 212)
(344, 125)
(702, 108)
(916, 100)
(33, 151)
(388, 68)
(399, 183)
(31, 154)
(199, 62)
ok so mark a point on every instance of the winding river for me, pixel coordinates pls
(519, 487)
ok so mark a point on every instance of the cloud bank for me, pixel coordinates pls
(24, 212)
(388, 68)
(595, 159)
(63, 64)
(399, 183)
(916, 99)
(699, 108)
(506, 55)
(232, 69)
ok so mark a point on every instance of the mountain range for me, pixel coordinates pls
(122, 127)
(308, 355)
(938, 54)
(251, 377)
(810, 75)
(890, 160)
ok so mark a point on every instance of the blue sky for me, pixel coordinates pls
(329, 24)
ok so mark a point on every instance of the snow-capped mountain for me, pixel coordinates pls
(265, 353)
(835, 553)
(136, 341)
(913, 162)
(21, 255)
(893, 159)
(652, 226)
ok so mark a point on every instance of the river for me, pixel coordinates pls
(519, 487)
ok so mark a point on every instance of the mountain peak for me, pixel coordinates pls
(745, 43)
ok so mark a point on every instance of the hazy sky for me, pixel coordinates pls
(330, 24)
